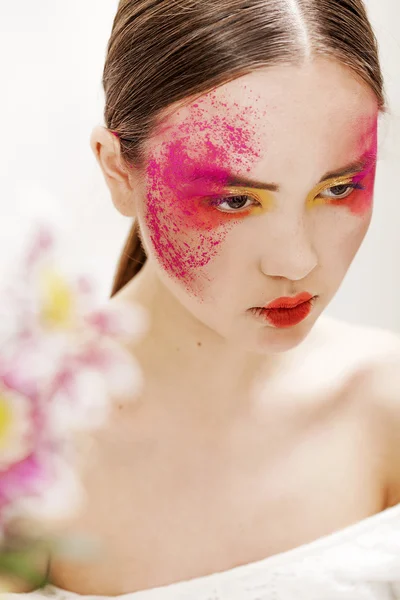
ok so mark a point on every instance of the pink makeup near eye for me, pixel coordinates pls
(186, 234)
(348, 190)
(237, 204)
(359, 200)
(354, 192)
(208, 214)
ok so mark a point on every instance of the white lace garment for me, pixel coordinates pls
(360, 562)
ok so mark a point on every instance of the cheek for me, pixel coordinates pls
(185, 234)
(200, 216)
(352, 243)
(340, 235)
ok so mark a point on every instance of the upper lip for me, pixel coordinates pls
(290, 301)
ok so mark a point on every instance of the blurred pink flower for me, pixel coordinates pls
(62, 359)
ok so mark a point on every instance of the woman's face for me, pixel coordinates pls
(259, 190)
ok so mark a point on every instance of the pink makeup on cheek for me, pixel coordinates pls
(186, 234)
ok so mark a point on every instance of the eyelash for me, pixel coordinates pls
(217, 202)
(352, 186)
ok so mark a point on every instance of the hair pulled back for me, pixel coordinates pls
(164, 51)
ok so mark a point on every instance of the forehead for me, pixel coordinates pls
(318, 114)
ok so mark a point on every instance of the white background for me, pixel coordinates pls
(52, 55)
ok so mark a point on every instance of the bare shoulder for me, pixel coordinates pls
(337, 353)
(368, 342)
(370, 357)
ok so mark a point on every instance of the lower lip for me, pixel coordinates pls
(283, 318)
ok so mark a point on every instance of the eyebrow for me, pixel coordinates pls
(366, 162)
(363, 164)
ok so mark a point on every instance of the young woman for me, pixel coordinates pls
(261, 460)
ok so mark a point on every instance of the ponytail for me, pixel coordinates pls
(131, 261)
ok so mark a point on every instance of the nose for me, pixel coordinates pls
(289, 252)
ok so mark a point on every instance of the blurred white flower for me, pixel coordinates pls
(57, 498)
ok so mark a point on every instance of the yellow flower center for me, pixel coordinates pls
(6, 419)
(57, 300)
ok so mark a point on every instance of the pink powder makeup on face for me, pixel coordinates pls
(360, 201)
(186, 232)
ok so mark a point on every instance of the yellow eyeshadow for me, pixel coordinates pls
(264, 197)
(312, 198)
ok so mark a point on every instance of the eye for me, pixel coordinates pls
(339, 192)
(233, 203)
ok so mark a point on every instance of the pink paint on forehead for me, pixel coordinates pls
(181, 236)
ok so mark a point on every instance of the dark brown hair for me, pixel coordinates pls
(164, 51)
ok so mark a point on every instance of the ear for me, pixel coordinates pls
(121, 182)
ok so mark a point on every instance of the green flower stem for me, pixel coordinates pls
(19, 565)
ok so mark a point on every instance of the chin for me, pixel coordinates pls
(271, 340)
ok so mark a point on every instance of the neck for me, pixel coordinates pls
(204, 371)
